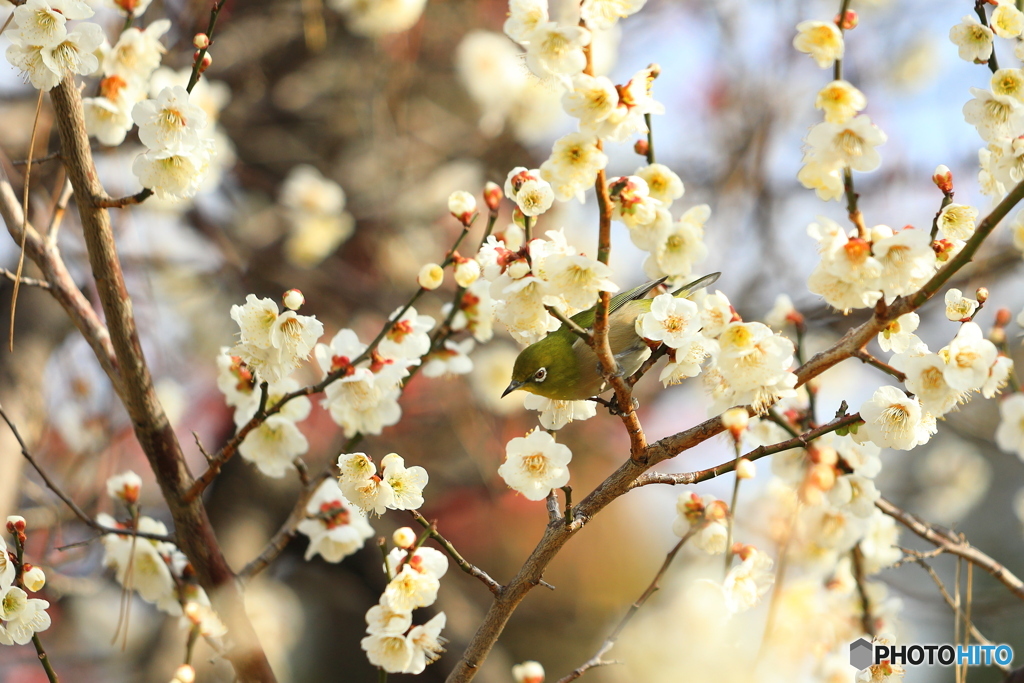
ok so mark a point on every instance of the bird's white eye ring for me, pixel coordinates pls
(540, 375)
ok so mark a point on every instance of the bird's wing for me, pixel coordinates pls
(585, 319)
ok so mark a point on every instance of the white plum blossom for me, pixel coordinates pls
(681, 246)
(531, 193)
(969, 358)
(23, 616)
(361, 485)
(995, 116)
(840, 101)
(406, 483)
(555, 414)
(686, 359)
(898, 335)
(407, 337)
(999, 376)
(822, 40)
(7, 569)
(851, 143)
(907, 258)
(274, 445)
(392, 652)
(124, 487)
(1007, 21)
(427, 644)
(573, 165)
(137, 54)
(662, 183)
(525, 17)
(748, 581)
(108, 117)
(45, 65)
(671, 320)
(703, 517)
(365, 397)
(893, 420)
(535, 464)
(169, 121)
(142, 563)
(335, 527)
(528, 672)
(557, 50)
(578, 279)
(959, 307)
(926, 379)
(854, 493)
(715, 315)
(313, 208)
(382, 619)
(604, 14)
(973, 39)
(273, 344)
(410, 589)
(451, 359)
(958, 221)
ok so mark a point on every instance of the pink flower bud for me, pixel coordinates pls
(943, 178)
(848, 21)
(201, 41)
(641, 147)
(493, 195)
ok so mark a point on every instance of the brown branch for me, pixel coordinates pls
(59, 210)
(622, 480)
(801, 441)
(652, 588)
(36, 160)
(195, 535)
(102, 201)
(953, 544)
(465, 566)
(867, 358)
(919, 558)
(857, 562)
(30, 281)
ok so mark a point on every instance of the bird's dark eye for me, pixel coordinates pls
(540, 375)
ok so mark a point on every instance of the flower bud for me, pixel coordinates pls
(205, 64)
(431, 276)
(462, 205)
(528, 672)
(1003, 317)
(716, 511)
(745, 469)
(848, 21)
(15, 523)
(982, 294)
(641, 147)
(467, 272)
(293, 299)
(184, 674)
(821, 477)
(736, 421)
(404, 537)
(825, 455)
(125, 487)
(34, 578)
(943, 179)
(201, 41)
(518, 270)
(493, 195)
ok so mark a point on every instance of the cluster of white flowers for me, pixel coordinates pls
(44, 48)
(856, 270)
(179, 146)
(314, 208)
(393, 643)
(535, 464)
(21, 617)
(938, 383)
(544, 272)
(127, 68)
(336, 528)
(705, 518)
(397, 487)
(273, 344)
(996, 112)
(154, 569)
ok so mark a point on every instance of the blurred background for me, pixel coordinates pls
(400, 120)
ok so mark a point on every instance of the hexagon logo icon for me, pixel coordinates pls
(862, 654)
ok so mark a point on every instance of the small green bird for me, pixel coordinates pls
(562, 367)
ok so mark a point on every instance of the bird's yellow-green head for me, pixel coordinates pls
(547, 368)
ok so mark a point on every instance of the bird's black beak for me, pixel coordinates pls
(512, 386)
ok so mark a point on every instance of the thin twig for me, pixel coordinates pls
(866, 357)
(24, 211)
(857, 561)
(652, 588)
(465, 566)
(79, 512)
(954, 545)
(105, 202)
(37, 160)
(30, 281)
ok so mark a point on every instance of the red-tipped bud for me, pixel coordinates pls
(641, 147)
(942, 249)
(16, 524)
(943, 179)
(493, 195)
(981, 295)
(1003, 317)
(848, 21)
(205, 64)
(201, 41)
